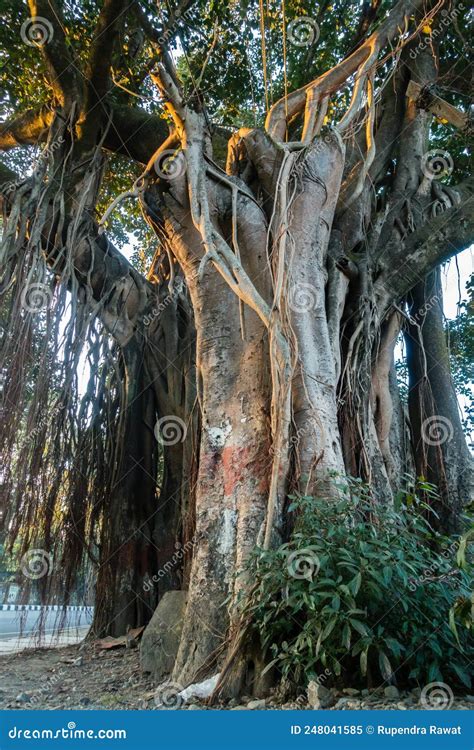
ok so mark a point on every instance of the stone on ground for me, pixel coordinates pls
(160, 641)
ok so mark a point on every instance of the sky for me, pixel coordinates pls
(465, 262)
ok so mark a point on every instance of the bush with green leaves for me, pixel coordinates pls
(370, 595)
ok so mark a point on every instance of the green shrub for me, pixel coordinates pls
(369, 597)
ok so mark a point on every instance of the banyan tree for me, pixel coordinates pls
(294, 179)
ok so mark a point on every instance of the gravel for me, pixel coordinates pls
(88, 678)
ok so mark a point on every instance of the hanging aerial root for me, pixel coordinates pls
(306, 99)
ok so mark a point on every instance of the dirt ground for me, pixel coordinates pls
(87, 677)
(75, 677)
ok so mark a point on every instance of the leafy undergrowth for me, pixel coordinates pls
(364, 598)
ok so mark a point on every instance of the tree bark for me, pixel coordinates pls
(127, 553)
(440, 449)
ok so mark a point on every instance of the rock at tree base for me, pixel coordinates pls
(318, 695)
(160, 641)
(253, 705)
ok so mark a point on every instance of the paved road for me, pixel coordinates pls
(22, 622)
(21, 627)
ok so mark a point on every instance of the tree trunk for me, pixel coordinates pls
(440, 449)
(234, 457)
(127, 553)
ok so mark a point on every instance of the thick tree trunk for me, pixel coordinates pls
(171, 354)
(127, 553)
(439, 444)
(318, 444)
(234, 452)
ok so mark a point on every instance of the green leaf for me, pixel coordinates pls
(395, 647)
(355, 584)
(385, 667)
(328, 629)
(434, 673)
(363, 661)
(359, 626)
(346, 637)
(464, 676)
(452, 624)
(387, 574)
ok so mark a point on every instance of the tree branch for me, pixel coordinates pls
(63, 74)
(25, 129)
(113, 12)
(437, 240)
(133, 132)
(286, 108)
(111, 18)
